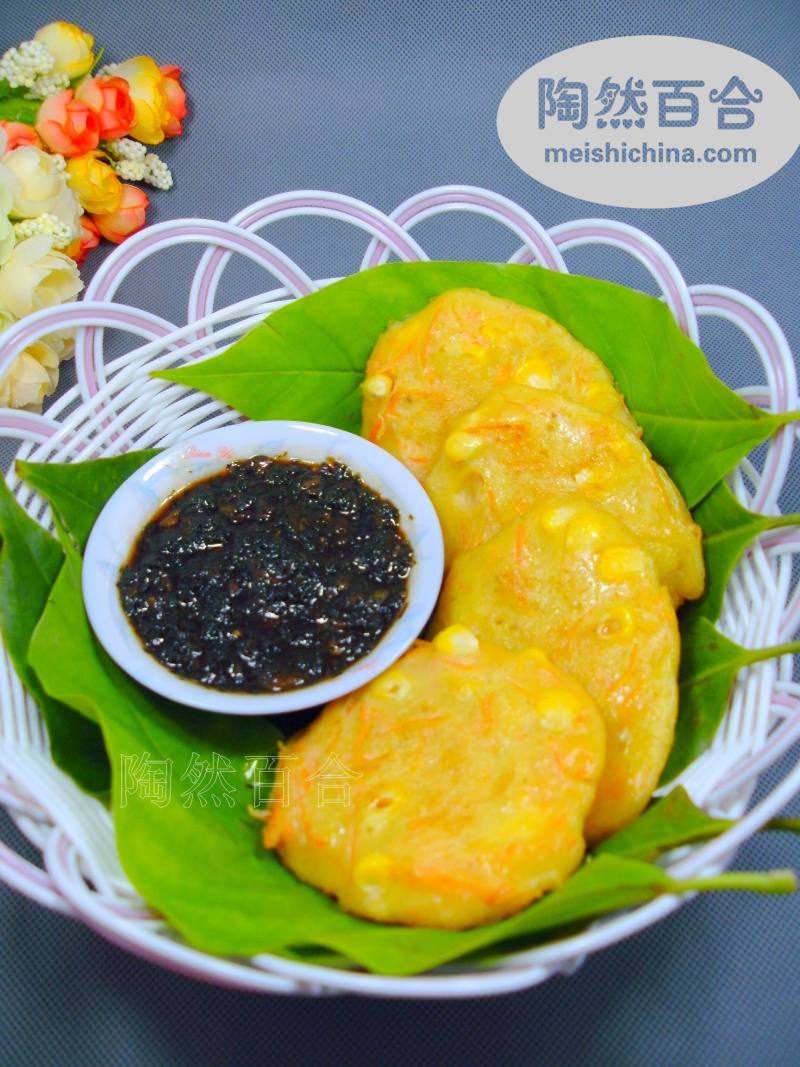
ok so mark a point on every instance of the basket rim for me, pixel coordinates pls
(63, 883)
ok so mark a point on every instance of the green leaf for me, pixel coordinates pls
(78, 492)
(728, 529)
(709, 665)
(18, 109)
(30, 560)
(668, 823)
(307, 359)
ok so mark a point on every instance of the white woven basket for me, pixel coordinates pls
(116, 406)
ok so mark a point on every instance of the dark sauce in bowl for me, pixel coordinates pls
(271, 575)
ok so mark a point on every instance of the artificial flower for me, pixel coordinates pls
(9, 183)
(34, 373)
(88, 239)
(18, 134)
(67, 125)
(38, 186)
(94, 180)
(70, 46)
(127, 219)
(27, 66)
(35, 276)
(7, 237)
(146, 84)
(48, 224)
(110, 100)
(176, 100)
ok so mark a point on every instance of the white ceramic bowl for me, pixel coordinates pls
(140, 497)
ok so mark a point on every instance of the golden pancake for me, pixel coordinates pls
(521, 445)
(464, 776)
(575, 581)
(426, 371)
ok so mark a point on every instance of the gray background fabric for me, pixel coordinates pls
(380, 100)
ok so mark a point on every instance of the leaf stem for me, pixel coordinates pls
(779, 881)
(786, 823)
(776, 521)
(784, 416)
(758, 655)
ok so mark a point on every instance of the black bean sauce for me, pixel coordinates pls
(269, 576)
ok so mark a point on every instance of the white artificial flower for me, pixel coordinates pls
(39, 186)
(47, 85)
(23, 65)
(126, 148)
(130, 170)
(157, 172)
(61, 233)
(34, 276)
(9, 182)
(7, 238)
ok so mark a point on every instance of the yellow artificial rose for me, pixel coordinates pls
(39, 186)
(34, 276)
(32, 376)
(95, 182)
(70, 46)
(149, 95)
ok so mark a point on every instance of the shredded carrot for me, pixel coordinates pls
(487, 712)
(505, 372)
(624, 678)
(491, 500)
(377, 430)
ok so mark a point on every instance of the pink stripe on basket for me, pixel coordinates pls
(667, 283)
(765, 335)
(133, 249)
(372, 219)
(453, 199)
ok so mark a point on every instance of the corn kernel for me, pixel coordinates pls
(537, 655)
(394, 685)
(460, 446)
(557, 708)
(618, 624)
(601, 397)
(373, 867)
(622, 448)
(621, 562)
(583, 532)
(493, 332)
(377, 385)
(536, 373)
(456, 641)
(553, 518)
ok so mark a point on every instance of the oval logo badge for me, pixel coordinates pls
(650, 121)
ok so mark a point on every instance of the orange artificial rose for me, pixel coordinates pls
(176, 100)
(127, 219)
(18, 134)
(68, 126)
(88, 239)
(110, 100)
(146, 84)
